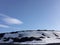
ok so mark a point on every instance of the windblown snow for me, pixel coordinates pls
(30, 37)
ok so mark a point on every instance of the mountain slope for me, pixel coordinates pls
(30, 37)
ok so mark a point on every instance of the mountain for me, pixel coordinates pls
(31, 37)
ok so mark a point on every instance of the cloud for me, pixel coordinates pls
(10, 20)
(2, 15)
(4, 26)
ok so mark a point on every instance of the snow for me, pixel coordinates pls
(11, 35)
(52, 38)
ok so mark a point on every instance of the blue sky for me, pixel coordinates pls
(16, 15)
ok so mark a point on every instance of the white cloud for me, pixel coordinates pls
(4, 26)
(12, 21)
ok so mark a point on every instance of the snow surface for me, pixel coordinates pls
(49, 37)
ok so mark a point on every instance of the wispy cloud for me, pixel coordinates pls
(7, 21)
(10, 20)
(4, 26)
(5, 16)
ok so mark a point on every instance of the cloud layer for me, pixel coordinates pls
(12, 21)
(4, 26)
(9, 21)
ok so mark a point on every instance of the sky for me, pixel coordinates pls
(17, 15)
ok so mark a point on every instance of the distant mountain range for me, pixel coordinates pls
(31, 37)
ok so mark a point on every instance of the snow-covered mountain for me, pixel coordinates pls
(31, 37)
